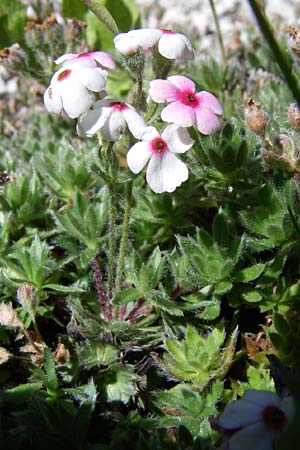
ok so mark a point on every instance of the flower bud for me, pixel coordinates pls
(285, 144)
(294, 40)
(134, 63)
(294, 116)
(26, 296)
(256, 118)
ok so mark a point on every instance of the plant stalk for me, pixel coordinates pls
(218, 30)
(112, 238)
(128, 198)
(268, 34)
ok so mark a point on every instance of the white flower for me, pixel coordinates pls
(256, 420)
(171, 45)
(72, 87)
(112, 118)
(165, 172)
(89, 59)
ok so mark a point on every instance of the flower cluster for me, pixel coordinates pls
(255, 421)
(77, 89)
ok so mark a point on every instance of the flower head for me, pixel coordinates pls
(165, 172)
(171, 45)
(112, 118)
(89, 59)
(187, 107)
(72, 87)
(256, 420)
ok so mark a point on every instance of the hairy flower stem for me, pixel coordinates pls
(280, 58)
(218, 30)
(112, 238)
(99, 286)
(138, 94)
(128, 198)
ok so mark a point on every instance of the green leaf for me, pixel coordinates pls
(126, 296)
(19, 394)
(125, 13)
(73, 8)
(251, 296)
(249, 273)
(49, 364)
(84, 413)
(64, 289)
(161, 300)
(97, 353)
(102, 13)
(211, 311)
(12, 22)
(97, 34)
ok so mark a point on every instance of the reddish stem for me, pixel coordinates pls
(99, 287)
(122, 312)
(141, 312)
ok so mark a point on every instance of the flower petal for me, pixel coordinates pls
(92, 78)
(253, 437)
(207, 100)
(177, 139)
(174, 45)
(90, 123)
(163, 90)
(138, 156)
(127, 45)
(183, 83)
(288, 407)
(135, 122)
(149, 133)
(76, 99)
(146, 37)
(165, 173)
(206, 121)
(240, 413)
(52, 100)
(114, 126)
(65, 57)
(179, 114)
(262, 398)
(104, 59)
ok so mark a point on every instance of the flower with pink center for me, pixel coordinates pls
(165, 172)
(187, 107)
(256, 421)
(111, 118)
(89, 59)
(170, 44)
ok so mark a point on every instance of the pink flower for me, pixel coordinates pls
(111, 118)
(171, 45)
(165, 172)
(256, 421)
(89, 59)
(187, 107)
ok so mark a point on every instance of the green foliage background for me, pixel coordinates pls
(204, 266)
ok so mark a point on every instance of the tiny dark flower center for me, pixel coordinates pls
(158, 145)
(189, 98)
(118, 106)
(273, 417)
(64, 74)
